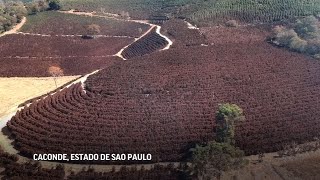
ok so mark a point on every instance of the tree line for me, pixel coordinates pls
(12, 12)
(301, 36)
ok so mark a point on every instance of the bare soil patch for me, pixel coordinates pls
(308, 168)
(17, 90)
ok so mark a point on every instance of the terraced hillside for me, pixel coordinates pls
(205, 12)
(56, 23)
(164, 103)
(146, 45)
(33, 54)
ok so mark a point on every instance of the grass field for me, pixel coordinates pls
(17, 90)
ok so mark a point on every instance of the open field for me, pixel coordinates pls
(17, 90)
(305, 168)
(300, 167)
(56, 23)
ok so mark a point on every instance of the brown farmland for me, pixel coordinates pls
(60, 23)
(166, 102)
(33, 55)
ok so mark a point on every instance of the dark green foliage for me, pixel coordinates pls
(307, 27)
(10, 14)
(226, 116)
(214, 158)
(37, 6)
(303, 36)
(205, 11)
(54, 5)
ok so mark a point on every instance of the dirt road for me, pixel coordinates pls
(16, 28)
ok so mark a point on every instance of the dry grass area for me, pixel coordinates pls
(14, 91)
(308, 168)
(299, 167)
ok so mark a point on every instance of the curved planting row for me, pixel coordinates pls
(146, 45)
(76, 122)
(166, 102)
(50, 46)
(31, 56)
(57, 23)
(38, 67)
(158, 172)
(182, 35)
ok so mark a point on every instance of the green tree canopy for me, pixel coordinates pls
(226, 116)
(214, 158)
(54, 5)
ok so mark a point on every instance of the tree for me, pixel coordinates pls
(226, 116)
(43, 5)
(232, 23)
(283, 36)
(125, 14)
(55, 5)
(214, 158)
(33, 8)
(308, 27)
(298, 44)
(16, 9)
(92, 30)
(55, 72)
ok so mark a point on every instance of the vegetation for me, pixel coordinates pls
(51, 22)
(303, 36)
(91, 31)
(232, 23)
(214, 158)
(226, 116)
(205, 11)
(27, 171)
(54, 4)
(37, 6)
(10, 14)
(55, 72)
(146, 45)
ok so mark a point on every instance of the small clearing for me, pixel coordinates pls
(14, 91)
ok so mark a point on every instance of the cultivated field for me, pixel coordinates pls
(56, 23)
(156, 89)
(165, 102)
(51, 46)
(146, 45)
(38, 66)
(205, 12)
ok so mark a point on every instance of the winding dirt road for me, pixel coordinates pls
(114, 16)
